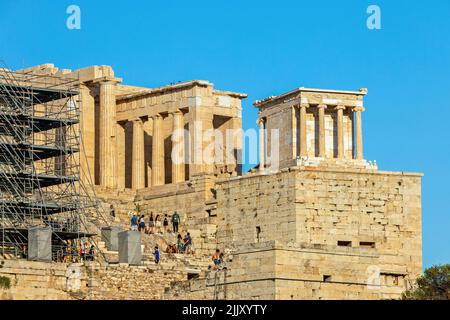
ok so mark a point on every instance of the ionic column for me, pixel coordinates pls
(322, 150)
(294, 131)
(178, 147)
(340, 131)
(157, 152)
(359, 136)
(138, 162)
(107, 135)
(262, 154)
(303, 131)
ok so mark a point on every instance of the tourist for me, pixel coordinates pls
(171, 248)
(187, 243)
(158, 224)
(180, 244)
(217, 259)
(175, 221)
(156, 254)
(112, 212)
(134, 222)
(65, 253)
(83, 250)
(151, 224)
(91, 253)
(142, 224)
(166, 223)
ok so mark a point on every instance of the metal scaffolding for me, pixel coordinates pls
(40, 162)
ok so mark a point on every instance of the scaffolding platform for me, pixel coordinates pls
(35, 208)
(37, 124)
(29, 94)
(57, 235)
(33, 180)
(39, 152)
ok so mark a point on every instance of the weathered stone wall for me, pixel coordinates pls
(122, 282)
(264, 201)
(272, 270)
(359, 219)
(32, 280)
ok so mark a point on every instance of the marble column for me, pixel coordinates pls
(107, 135)
(158, 177)
(120, 140)
(359, 135)
(294, 131)
(340, 131)
(138, 162)
(178, 147)
(303, 131)
(88, 136)
(262, 150)
(322, 150)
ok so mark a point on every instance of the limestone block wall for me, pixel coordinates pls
(379, 209)
(123, 282)
(279, 137)
(272, 270)
(35, 280)
(32, 280)
(359, 218)
(256, 208)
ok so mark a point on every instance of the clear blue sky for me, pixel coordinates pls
(269, 47)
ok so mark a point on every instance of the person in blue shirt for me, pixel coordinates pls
(156, 255)
(134, 223)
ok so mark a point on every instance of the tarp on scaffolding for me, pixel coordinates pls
(130, 247)
(110, 235)
(40, 244)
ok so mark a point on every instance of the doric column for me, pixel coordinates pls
(303, 131)
(262, 153)
(322, 150)
(157, 152)
(107, 135)
(120, 140)
(87, 131)
(138, 162)
(178, 147)
(359, 135)
(340, 131)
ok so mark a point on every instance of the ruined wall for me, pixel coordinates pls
(272, 270)
(32, 280)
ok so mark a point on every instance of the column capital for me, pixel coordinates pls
(359, 108)
(260, 121)
(340, 107)
(135, 120)
(107, 80)
(322, 106)
(304, 105)
(177, 112)
(156, 116)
